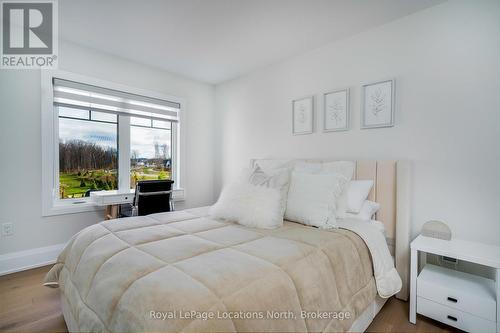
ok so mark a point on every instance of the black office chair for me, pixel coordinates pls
(87, 193)
(151, 196)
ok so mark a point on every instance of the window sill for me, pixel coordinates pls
(64, 208)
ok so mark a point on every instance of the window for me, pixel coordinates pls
(105, 139)
(150, 150)
(88, 152)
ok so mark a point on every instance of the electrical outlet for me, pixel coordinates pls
(7, 229)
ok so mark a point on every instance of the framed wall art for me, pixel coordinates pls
(378, 104)
(303, 115)
(336, 113)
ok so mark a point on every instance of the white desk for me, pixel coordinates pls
(112, 200)
(479, 253)
(115, 197)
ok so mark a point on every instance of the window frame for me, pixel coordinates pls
(56, 183)
(51, 203)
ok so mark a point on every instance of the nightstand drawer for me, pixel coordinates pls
(456, 318)
(457, 290)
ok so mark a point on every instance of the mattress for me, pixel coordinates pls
(183, 271)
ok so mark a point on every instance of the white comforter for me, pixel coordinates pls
(387, 278)
(118, 275)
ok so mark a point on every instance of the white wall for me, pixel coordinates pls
(446, 61)
(20, 193)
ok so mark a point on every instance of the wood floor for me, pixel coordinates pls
(27, 306)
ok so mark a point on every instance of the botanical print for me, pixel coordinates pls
(378, 104)
(303, 116)
(336, 111)
(378, 100)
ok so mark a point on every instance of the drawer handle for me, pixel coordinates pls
(452, 318)
(452, 299)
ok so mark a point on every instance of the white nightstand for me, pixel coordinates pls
(462, 300)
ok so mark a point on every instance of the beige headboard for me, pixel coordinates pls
(391, 190)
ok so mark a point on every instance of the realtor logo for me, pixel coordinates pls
(29, 34)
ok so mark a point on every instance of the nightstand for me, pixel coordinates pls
(466, 301)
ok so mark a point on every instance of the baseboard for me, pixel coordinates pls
(23, 260)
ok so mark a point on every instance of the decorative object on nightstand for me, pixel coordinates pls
(436, 229)
(466, 301)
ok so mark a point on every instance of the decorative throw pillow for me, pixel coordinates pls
(353, 197)
(250, 205)
(368, 209)
(268, 165)
(345, 168)
(312, 198)
(274, 178)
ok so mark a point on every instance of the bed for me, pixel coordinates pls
(184, 271)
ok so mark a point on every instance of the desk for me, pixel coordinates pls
(112, 201)
(114, 198)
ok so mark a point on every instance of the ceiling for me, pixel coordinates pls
(218, 40)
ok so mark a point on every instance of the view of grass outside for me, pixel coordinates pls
(151, 172)
(88, 152)
(78, 184)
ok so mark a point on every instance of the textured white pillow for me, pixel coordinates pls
(345, 168)
(353, 197)
(249, 205)
(311, 198)
(368, 209)
(274, 178)
(273, 164)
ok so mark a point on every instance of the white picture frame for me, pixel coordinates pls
(303, 115)
(378, 104)
(336, 111)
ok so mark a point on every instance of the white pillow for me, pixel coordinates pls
(274, 178)
(312, 198)
(353, 197)
(307, 167)
(368, 209)
(345, 168)
(271, 164)
(249, 205)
